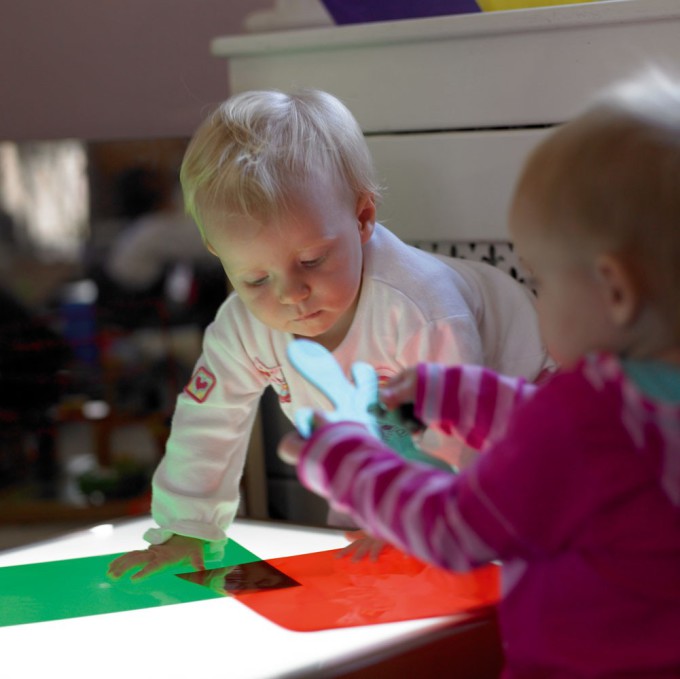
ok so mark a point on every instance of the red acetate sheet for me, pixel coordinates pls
(324, 591)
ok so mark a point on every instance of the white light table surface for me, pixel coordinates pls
(222, 637)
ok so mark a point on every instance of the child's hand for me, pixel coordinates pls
(178, 549)
(291, 444)
(290, 447)
(400, 389)
(362, 545)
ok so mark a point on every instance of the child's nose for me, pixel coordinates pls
(293, 290)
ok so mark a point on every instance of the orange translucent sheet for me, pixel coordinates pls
(320, 591)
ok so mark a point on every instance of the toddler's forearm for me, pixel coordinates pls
(471, 401)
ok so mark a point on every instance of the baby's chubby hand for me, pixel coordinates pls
(401, 389)
(291, 445)
(362, 546)
(179, 549)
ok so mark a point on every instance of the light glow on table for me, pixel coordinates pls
(216, 637)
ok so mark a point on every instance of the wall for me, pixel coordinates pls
(112, 69)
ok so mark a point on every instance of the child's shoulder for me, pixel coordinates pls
(598, 389)
(606, 372)
(386, 252)
(592, 373)
(584, 389)
(405, 270)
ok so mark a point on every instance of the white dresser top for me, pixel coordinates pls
(496, 69)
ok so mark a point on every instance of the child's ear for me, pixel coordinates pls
(365, 212)
(621, 294)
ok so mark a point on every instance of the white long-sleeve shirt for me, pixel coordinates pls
(413, 307)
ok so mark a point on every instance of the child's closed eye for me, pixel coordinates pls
(311, 263)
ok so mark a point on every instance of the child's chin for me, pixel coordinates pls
(316, 326)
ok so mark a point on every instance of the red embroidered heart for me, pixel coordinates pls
(201, 383)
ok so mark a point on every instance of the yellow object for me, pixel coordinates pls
(501, 5)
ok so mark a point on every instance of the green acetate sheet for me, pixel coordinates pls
(56, 590)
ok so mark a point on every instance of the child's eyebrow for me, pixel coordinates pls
(321, 242)
(312, 249)
(254, 272)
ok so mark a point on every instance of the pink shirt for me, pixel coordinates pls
(578, 493)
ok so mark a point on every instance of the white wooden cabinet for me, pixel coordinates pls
(451, 105)
(443, 186)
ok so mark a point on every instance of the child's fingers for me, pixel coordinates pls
(158, 561)
(290, 447)
(376, 548)
(320, 419)
(125, 563)
(148, 570)
(354, 535)
(156, 558)
(197, 562)
(390, 397)
(362, 547)
(400, 389)
(350, 551)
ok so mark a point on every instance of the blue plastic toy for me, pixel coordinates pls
(355, 402)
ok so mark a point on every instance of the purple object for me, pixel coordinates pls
(361, 11)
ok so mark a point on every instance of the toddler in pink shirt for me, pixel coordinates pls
(578, 489)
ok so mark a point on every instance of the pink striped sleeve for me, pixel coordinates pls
(471, 401)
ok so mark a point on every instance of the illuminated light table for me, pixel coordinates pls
(221, 637)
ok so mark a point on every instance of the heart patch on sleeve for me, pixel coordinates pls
(201, 384)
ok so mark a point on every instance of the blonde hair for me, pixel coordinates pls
(256, 146)
(609, 181)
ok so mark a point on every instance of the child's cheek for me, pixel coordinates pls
(249, 294)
